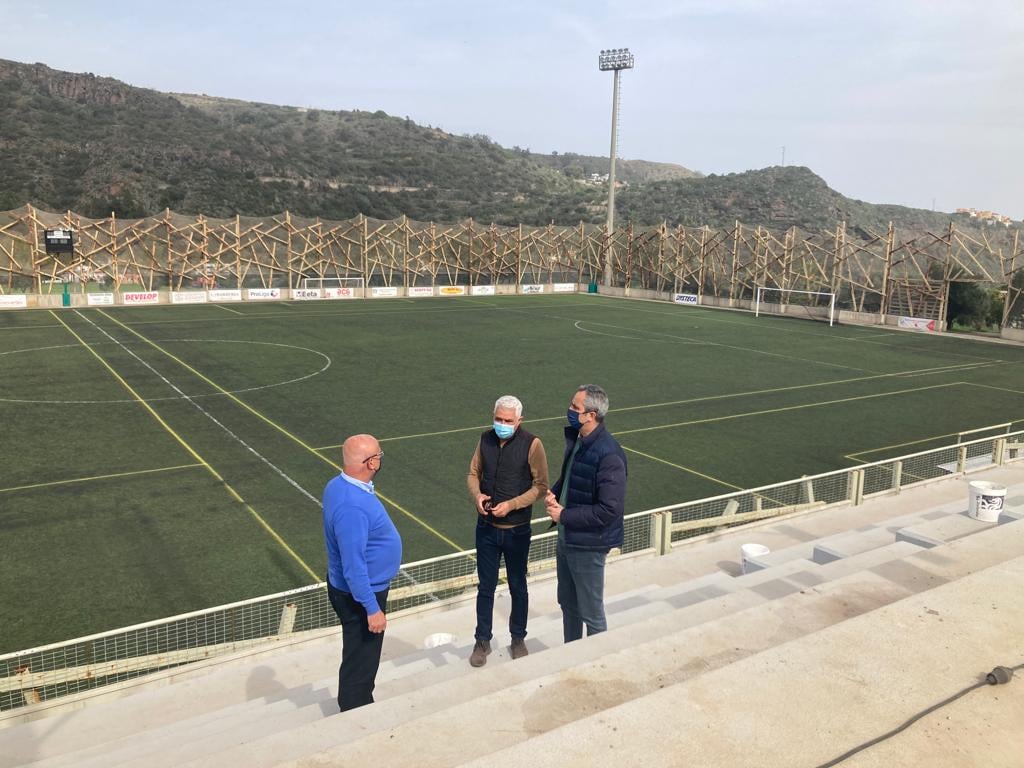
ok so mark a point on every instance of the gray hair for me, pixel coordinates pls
(511, 402)
(596, 400)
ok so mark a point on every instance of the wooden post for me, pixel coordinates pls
(34, 252)
(519, 260)
(735, 259)
(113, 241)
(580, 255)
(405, 256)
(1010, 296)
(365, 259)
(890, 240)
(238, 252)
(469, 256)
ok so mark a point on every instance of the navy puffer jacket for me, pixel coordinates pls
(597, 491)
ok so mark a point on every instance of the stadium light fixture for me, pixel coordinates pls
(615, 60)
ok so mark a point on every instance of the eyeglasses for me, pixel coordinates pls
(377, 455)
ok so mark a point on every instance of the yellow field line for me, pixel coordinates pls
(229, 309)
(685, 469)
(97, 477)
(170, 430)
(24, 327)
(938, 370)
(281, 429)
(783, 409)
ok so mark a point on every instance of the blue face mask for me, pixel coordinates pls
(504, 431)
(574, 418)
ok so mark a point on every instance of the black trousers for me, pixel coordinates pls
(360, 649)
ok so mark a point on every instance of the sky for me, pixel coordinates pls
(911, 102)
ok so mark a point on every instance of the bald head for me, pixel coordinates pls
(354, 454)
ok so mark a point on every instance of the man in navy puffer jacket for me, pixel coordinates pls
(587, 503)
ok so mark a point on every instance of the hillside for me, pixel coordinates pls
(776, 198)
(94, 145)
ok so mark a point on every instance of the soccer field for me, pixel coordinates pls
(162, 460)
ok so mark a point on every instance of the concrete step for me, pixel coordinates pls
(852, 543)
(809, 700)
(834, 546)
(540, 705)
(266, 705)
(415, 671)
(942, 530)
(624, 673)
(674, 611)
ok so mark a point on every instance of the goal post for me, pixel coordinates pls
(814, 305)
(337, 287)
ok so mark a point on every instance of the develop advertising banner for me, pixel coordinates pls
(420, 290)
(481, 290)
(917, 323)
(225, 295)
(564, 288)
(188, 297)
(382, 291)
(305, 294)
(685, 298)
(140, 297)
(99, 299)
(531, 288)
(19, 301)
(452, 290)
(263, 294)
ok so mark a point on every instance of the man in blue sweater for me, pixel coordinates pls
(364, 553)
(587, 503)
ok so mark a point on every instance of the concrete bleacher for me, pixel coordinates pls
(856, 619)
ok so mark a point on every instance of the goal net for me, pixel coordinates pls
(337, 287)
(812, 305)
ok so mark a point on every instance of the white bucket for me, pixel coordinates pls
(748, 551)
(438, 639)
(985, 500)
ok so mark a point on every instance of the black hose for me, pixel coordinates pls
(998, 676)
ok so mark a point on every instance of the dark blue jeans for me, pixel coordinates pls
(491, 545)
(360, 649)
(580, 591)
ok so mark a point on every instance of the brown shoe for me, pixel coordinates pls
(480, 651)
(519, 648)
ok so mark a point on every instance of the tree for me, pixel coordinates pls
(969, 305)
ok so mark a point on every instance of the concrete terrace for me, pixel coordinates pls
(859, 618)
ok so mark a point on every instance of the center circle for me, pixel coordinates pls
(325, 364)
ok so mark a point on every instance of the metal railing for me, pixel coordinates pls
(60, 669)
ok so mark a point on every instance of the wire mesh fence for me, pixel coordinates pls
(49, 672)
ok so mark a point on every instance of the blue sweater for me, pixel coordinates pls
(364, 550)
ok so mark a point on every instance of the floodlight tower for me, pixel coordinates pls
(616, 60)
